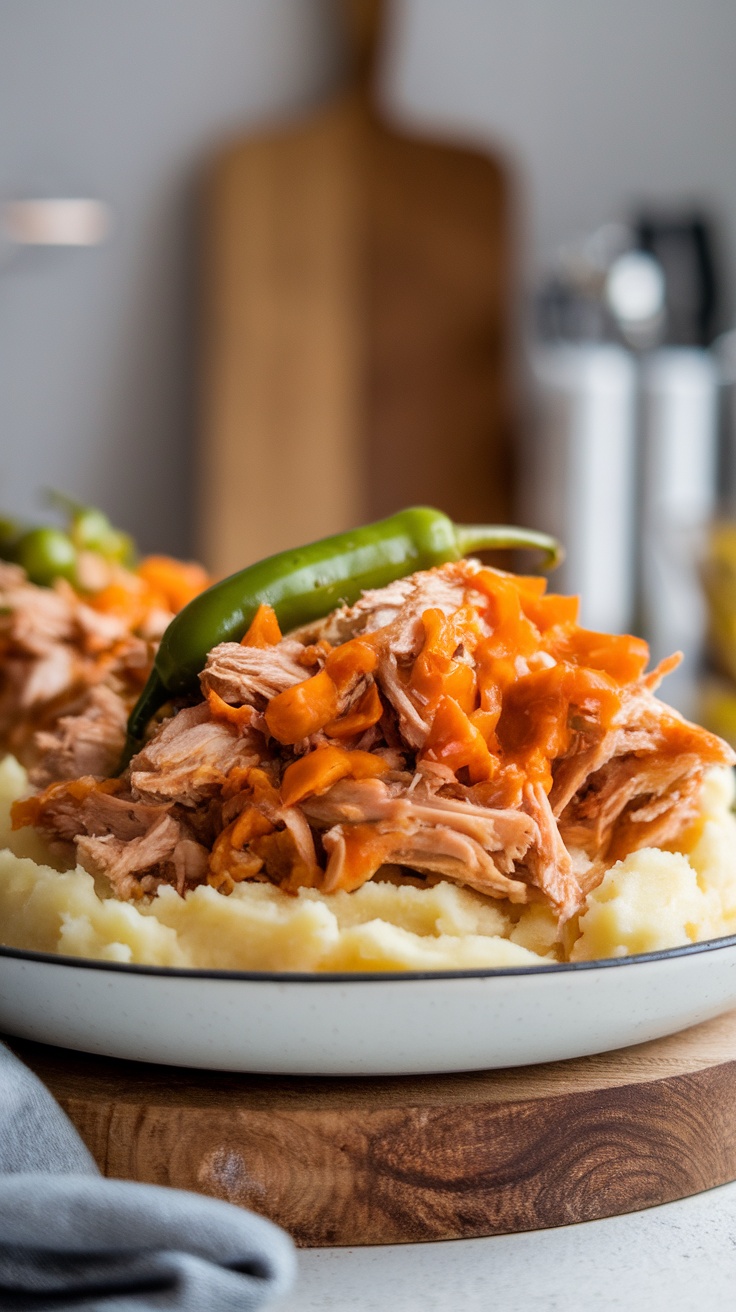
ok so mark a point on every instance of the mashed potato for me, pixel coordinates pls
(654, 899)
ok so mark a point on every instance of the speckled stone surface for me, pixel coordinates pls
(678, 1258)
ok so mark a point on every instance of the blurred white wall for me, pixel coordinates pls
(602, 103)
(123, 100)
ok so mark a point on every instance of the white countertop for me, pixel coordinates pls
(676, 1258)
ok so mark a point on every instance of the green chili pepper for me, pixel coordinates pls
(304, 584)
(11, 531)
(47, 554)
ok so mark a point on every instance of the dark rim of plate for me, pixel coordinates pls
(363, 977)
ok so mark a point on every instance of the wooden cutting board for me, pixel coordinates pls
(388, 1161)
(356, 326)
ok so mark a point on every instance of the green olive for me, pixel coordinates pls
(119, 547)
(91, 530)
(47, 554)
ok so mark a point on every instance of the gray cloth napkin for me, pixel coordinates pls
(70, 1239)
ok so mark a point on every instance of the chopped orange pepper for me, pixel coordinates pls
(237, 781)
(513, 633)
(159, 583)
(262, 787)
(497, 582)
(366, 850)
(228, 863)
(536, 724)
(26, 811)
(350, 659)
(544, 611)
(257, 784)
(535, 715)
(552, 612)
(285, 863)
(304, 709)
(321, 768)
(495, 675)
(367, 713)
(254, 783)
(436, 671)
(594, 691)
(619, 655)
(264, 630)
(485, 722)
(175, 582)
(455, 741)
(242, 716)
(127, 598)
(251, 823)
(308, 706)
(314, 653)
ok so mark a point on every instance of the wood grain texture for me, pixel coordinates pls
(422, 1158)
(279, 341)
(437, 394)
(356, 327)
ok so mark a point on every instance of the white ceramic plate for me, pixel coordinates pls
(378, 1024)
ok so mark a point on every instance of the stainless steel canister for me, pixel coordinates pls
(578, 475)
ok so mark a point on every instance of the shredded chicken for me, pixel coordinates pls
(191, 758)
(404, 600)
(86, 743)
(71, 667)
(252, 675)
(456, 724)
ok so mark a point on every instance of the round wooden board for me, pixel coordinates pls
(387, 1161)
